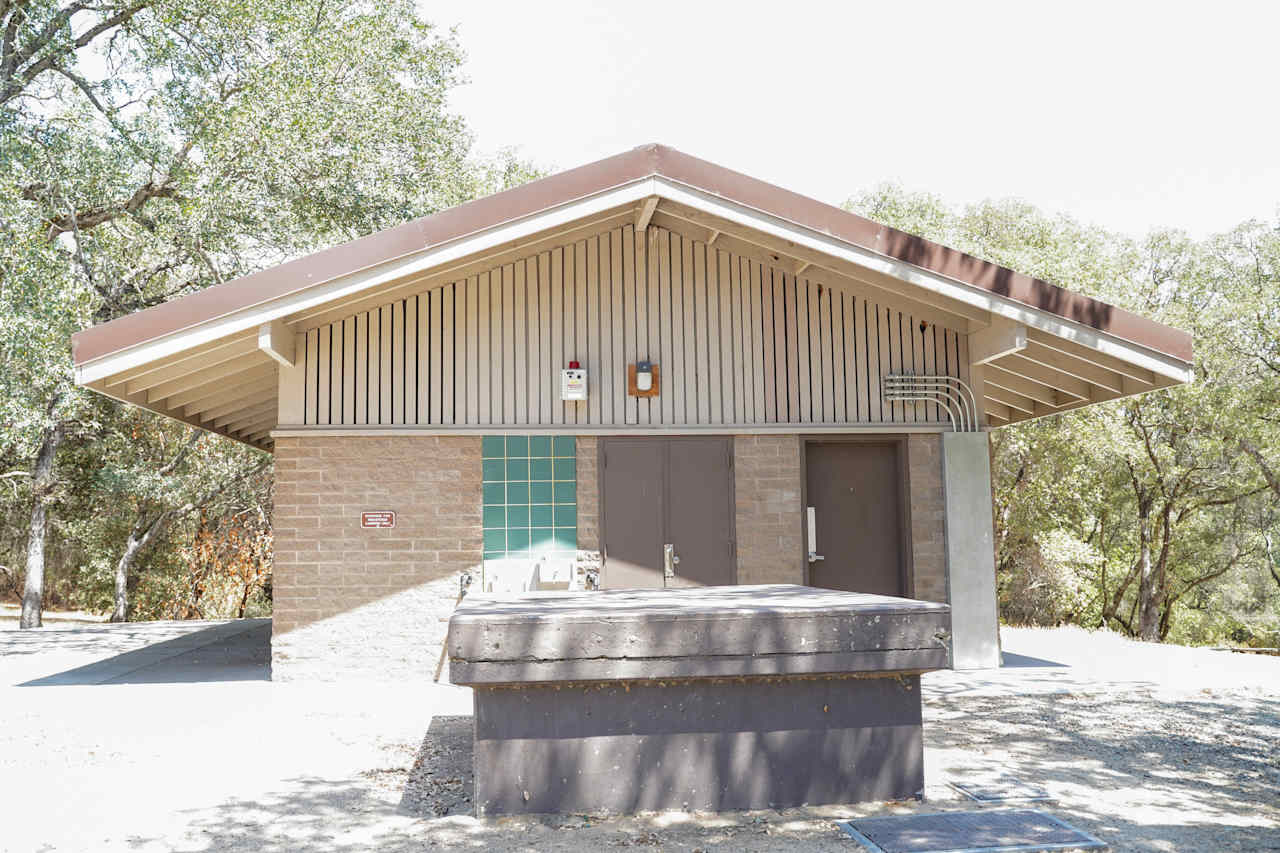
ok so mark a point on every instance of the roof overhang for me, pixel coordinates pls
(195, 358)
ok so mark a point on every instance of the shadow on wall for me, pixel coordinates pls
(394, 637)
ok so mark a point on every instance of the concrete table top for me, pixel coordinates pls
(726, 631)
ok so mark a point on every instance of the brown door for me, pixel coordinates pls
(855, 491)
(662, 491)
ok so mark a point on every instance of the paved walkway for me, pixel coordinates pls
(167, 736)
(1040, 661)
(1036, 662)
(137, 653)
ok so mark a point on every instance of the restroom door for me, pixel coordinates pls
(658, 491)
(856, 491)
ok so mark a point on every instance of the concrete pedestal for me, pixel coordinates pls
(971, 566)
(715, 698)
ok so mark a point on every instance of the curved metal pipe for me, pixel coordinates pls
(945, 402)
(896, 388)
(951, 392)
(962, 391)
(943, 391)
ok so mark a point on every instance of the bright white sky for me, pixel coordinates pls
(1123, 114)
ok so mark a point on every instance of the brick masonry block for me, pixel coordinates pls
(350, 602)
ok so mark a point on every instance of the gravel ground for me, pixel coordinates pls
(1147, 758)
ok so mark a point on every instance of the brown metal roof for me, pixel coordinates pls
(595, 177)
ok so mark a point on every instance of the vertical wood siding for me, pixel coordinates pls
(737, 343)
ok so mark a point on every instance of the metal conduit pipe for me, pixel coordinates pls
(962, 391)
(934, 392)
(969, 415)
(945, 402)
(950, 392)
(940, 395)
(965, 420)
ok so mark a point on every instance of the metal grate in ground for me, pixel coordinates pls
(1003, 789)
(992, 831)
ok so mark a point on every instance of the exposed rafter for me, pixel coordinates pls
(999, 339)
(276, 340)
(645, 213)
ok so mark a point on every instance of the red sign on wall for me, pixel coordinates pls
(378, 520)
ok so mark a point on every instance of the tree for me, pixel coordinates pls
(1130, 513)
(150, 149)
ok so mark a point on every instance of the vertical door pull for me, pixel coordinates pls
(814, 556)
(669, 563)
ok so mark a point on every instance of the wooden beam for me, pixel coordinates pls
(460, 271)
(1108, 362)
(200, 357)
(715, 235)
(1009, 398)
(645, 213)
(1036, 372)
(193, 386)
(779, 246)
(140, 400)
(998, 410)
(247, 400)
(232, 422)
(251, 385)
(1072, 366)
(166, 370)
(732, 244)
(276, 340)
(996, 375)
(258, 427)
(999, 339)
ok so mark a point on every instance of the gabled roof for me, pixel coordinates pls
(116, 357)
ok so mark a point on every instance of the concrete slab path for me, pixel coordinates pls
(167, 736)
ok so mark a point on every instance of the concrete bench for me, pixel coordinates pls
(735, 697)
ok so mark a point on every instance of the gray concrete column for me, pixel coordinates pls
(971, 569)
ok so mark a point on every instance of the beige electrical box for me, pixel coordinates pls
(573, 383)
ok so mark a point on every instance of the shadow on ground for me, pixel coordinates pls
(1020, 661)
(1142, 774)
(239, 650)
(441, 780)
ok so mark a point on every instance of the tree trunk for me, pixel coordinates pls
(41, 486)
(144, 531)
(1148, 610)
(1155, 621)
(120, 613)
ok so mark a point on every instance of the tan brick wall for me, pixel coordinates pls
(373, 603)
(767, 485)
(350, 602)
(588, 493)
(928, 552)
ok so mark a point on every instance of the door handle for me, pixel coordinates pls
(669, 563)
(813, 555)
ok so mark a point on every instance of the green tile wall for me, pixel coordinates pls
(530, 495)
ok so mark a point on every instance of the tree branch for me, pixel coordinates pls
(95, 216)
(13, 82)
(1268, 473)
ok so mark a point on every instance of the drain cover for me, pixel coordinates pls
(1005, 831)
(1005, 789)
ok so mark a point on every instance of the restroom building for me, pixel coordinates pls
(650, 366)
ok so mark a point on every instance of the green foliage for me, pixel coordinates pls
(151, 149)
(1086, 499)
